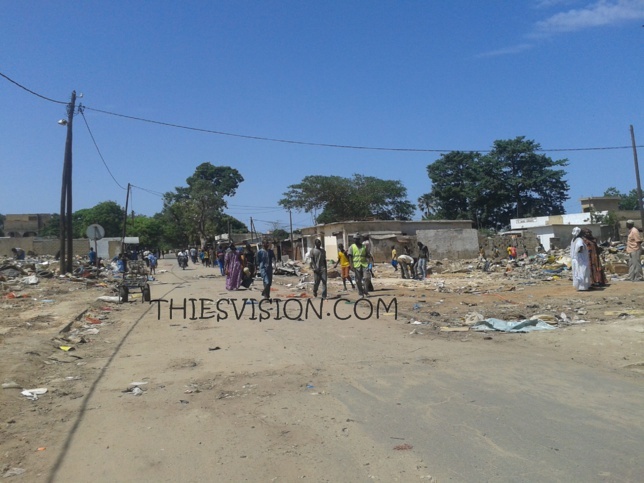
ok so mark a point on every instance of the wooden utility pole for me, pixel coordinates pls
(66, 228)
(637, 176)
(290, 219)
(127, 199)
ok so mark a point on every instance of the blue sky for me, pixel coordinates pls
(425, 75)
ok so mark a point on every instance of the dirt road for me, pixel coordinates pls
(317, 398)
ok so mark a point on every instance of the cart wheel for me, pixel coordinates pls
(123, 293)
(146, 293)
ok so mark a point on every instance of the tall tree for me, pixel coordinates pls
(512, 181)
(198, 208)
(453, 183)
(534, 183)
(343, 199)
(148, 229)
(628, 202)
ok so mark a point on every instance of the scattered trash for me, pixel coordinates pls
(13, 472)
(30, 280)
(183, 401)
(66, 348)
(415, 331)
(34, 393)
(214, 348)
(135, 389)
(106, 298)
(403, 447)
(454, 329)
(504, 326)
(473, 317)
(10, 385)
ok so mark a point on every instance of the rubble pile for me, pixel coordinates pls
(17, 277)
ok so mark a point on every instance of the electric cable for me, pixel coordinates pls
(80, 110)
(308, 143)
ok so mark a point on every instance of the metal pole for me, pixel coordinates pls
(637, 177)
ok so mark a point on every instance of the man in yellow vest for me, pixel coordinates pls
(358, 255)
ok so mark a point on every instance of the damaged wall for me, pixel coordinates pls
(449, 243)
(41, 246)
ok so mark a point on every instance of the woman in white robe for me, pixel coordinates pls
(581, 278)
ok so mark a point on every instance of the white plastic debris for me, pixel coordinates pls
(30, 280)
(34, 393)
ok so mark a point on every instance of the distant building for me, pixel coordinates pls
(600, 203)
(454, 239)
(24, 225)
(556, 231)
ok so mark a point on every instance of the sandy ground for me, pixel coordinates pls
(349, 395)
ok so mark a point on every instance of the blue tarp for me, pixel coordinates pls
(504, 326)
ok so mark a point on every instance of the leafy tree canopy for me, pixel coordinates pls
(343, 199)
(108, 214)
(197, 210)
(511, 181)
(148, 229)
(627, 202)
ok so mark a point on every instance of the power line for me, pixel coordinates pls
(307, 143)
(30, 91)
(80, 110)
(152, 192)
(339, 146)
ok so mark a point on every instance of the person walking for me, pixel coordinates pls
(92, 257)
(249, 259)
(152, 261)
(597, 274)
(358, 259)
(634, 250)
(394, 258)
(345, 266)
(233, 268)
(318, 265)
(580, 261)
(221, 256)
(265, 257)
(421, 266)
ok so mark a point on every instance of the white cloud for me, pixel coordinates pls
(597, 14)
(553, 3)
(514, 49)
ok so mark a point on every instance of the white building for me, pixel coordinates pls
(556, 231)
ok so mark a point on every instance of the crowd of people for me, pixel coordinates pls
(410, 267)
(241, 265)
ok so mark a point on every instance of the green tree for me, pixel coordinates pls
(342, 199)
(628, 202)
(2, 218)
(108, 214)
(512, 181)
(454, 180)
(534, 184)
(197, 210)
(148, 229)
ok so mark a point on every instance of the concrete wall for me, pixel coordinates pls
(451, 243)
(40, 246)
(24, 224)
